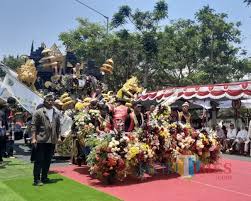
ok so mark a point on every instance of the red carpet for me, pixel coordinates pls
(230, 181)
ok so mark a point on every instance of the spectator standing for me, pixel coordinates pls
(45, 134)
(10, 141)
(12, 109)
(247, 142)
(3, 127)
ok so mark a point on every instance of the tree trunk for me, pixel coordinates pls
(145, 78)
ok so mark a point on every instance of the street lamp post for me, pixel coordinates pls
(107, 18)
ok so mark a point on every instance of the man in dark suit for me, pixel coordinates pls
(3, 128)
(45, 134)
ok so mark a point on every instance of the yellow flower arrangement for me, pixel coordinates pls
(164, 133)
(172, 125)
(95, 113)
(144, 147)
(203, 138)
(133, 151)
(199, 144)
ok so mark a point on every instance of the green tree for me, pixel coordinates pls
(248, 2)
(146, 25)
(220, 46)
(86, 41)
(201, 51)
(183, 53)
(12, 62)
(178, 57)
(89, 40)
(125, 49)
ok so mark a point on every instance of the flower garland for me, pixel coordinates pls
(207, 148)
(116, 155)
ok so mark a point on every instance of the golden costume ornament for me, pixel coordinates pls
(130, 89)
(81, 105)
(107, 67)
(27, 74)
(66, 101)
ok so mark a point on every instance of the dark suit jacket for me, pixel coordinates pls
(4, 117)
(45, 131)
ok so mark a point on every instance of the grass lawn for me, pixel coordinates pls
(16, 185)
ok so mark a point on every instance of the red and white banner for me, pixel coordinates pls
(232, 91)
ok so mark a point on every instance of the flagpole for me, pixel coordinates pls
(96, 11)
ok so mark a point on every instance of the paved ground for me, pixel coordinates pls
(237, 157)
(23, 152)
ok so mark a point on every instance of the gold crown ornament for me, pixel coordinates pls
(107, 67)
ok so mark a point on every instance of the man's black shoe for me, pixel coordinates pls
(38, 183)
(46, 181)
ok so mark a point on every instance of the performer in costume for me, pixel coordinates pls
(135, 119)
(120, 114)
(184, 116)
(105, 120)
(76, 70)
(149, 114)
(130, 90)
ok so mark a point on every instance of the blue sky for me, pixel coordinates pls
(22, 21)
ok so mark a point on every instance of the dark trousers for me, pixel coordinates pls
(2, 147)
(10, 147)
(43, 153)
